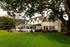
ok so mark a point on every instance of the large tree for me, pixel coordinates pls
(67, 6)
(35, 6)
(29, 6)
(18, 6)
(6, 23)
(67, 9)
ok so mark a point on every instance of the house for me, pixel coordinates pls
(35, 22)
(42, 23)
(23, 27)
(50, 25)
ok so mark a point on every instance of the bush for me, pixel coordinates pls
(6, 23)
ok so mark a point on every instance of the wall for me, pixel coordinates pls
(56, 24)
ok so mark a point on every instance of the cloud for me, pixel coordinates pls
(2, 13)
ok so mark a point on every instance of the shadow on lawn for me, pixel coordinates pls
(59, 37)
(53, 36)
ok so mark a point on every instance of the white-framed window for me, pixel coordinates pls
(38, 21)
(33, 22)
(37, 18)
(51, 27)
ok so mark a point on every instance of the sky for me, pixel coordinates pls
(2, 13)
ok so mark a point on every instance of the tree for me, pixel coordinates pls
(67, 6)
(18, 6)
(6, 23)
(34, 6)
(67, 9)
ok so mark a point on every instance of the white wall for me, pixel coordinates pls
(56, 24)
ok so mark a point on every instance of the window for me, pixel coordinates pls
(38, 21)
(33, 27)
(51, 28)
(38, 24)
(46, 27)
(33, 21)
(19, 15)
(20, 27)
(37, 18)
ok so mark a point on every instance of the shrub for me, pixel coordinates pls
(6, 23)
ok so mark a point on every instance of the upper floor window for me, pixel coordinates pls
(37, 18)
(29, 20)
(19, 15)
(33, 21)
(38, 21)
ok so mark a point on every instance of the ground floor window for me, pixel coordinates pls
(45, 28)
(51, 28)
(33, 27)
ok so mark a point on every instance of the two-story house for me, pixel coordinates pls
(42, 23)
(51, 25)
(35, 22)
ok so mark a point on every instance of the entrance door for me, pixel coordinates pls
(46, 28)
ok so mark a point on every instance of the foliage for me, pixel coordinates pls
(67, 6)
(64, 26)
(30, 7)
(6, 23)
(18, 6)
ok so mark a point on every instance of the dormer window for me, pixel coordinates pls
(33, 21)
(19, 15)
(38, 21)
(37, 18)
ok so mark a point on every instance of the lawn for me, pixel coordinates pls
(37, 39)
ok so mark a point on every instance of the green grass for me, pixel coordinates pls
(22, 39)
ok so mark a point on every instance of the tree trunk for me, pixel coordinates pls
(67, 9)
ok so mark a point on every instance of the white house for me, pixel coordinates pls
(37, 23)
(50, 25)
(42, 23)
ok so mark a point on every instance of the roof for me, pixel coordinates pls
(36, 16)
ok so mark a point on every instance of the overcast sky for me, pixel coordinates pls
(2, 13)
